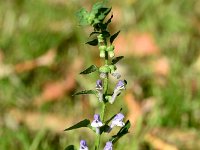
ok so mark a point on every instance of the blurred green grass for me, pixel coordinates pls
(29, 28)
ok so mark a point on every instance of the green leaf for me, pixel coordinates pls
(83, 123)
(94, 33)
(93, 42)
(82, 16)
(112, 38)
(109, 21)
(70, 147)
(116, 59)
(85, 92)
(102, 13)
(122, 132)
(90, 69)
(111, 118)
(106, 34)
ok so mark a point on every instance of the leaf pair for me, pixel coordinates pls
(94, 42)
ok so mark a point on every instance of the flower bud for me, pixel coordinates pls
(102, 54)
(83, 145)
(110, 48)
(91, 18)
(102, 48)
(100, 38)
(108, 146)
(112, 68)
(111, 54)
(104, 69)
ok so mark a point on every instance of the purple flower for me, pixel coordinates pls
(108, 146)
(99, 88)
(118, 121)
(121, 85)
(99, 84)
(83, 145)
(96, 123)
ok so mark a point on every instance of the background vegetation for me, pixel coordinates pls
(42, 51)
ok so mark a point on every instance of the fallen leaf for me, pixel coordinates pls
(158, 143)
(161, 66)
(134, 109)
(136, 44)
(44, 60)
(55, 90)
(37, 121)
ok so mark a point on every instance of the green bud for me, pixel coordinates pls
(102, 48)
(112, 68)
(96, 21)
(102, 54)
(111, 54)
(104, 69)
(91, 18)
(100, 38)
(108, 97)
(110, 48)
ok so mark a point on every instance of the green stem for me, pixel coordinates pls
(105, 81)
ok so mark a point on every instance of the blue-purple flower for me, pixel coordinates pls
(121, 85)
(108, 146)
(96, 123)
(83, 145)
(99, 89)
(117, 121)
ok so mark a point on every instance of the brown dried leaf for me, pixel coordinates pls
(135, 110)
(136, 44)
(158, 143)
(37, 121)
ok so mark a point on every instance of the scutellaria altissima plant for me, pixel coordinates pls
(102, 38)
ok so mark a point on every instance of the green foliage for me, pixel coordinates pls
(123, 131)
(116, 59)
(93, 42)
(90, 69)
(85, 92)
(83, 123)
(112, 38)
(70, 147)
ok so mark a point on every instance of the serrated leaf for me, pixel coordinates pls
(85, 92)
(122, 132)
(83, 123)
(112, 38)
(93, 42)
(116, 59)
(70, 147)
(90, 69)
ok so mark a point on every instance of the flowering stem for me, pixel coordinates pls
(104, 102)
